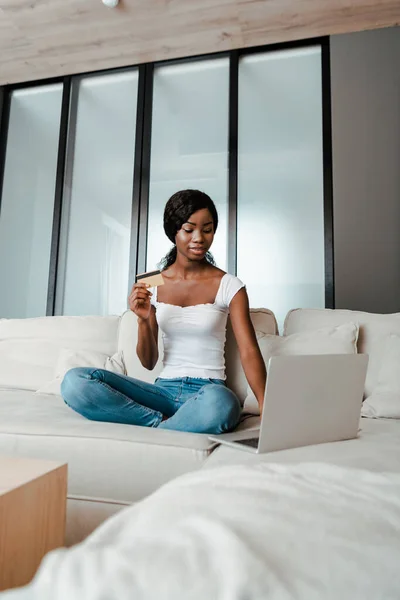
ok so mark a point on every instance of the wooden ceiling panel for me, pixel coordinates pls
(290, 20)
(48, 38)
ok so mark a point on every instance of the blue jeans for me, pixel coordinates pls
(184, 404)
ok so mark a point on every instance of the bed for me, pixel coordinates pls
(320, 522)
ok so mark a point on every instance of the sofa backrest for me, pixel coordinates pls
(374, 330)
(29, 348)
(263, 320)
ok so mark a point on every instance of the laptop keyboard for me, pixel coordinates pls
(253, 442)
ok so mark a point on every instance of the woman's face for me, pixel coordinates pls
(196, 235)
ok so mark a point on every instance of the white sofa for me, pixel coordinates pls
(113, 465)
(110, 465)
(377, 448)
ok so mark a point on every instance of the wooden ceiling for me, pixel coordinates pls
(48, 38)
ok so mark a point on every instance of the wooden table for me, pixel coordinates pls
(32, 516)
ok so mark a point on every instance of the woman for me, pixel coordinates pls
(191, 309)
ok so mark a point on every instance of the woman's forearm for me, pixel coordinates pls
(256, 374)
(147, 348)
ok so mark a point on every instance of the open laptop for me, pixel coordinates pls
(308, 400)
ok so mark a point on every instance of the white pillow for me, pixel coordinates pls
(330, 340)
(384, 402)
(26, 363)
(69, 359)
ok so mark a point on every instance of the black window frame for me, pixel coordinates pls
(142, 156)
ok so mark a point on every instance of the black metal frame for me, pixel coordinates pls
(1, 104)
(141, 175)
(233, 161)
(141, 163)
(328, 175)
(145, 174)
(137, 175)
(66, 171)
(58, 198)
(5, 103)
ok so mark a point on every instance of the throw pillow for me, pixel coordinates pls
(330, 340)
(384, 402)
(69, 359)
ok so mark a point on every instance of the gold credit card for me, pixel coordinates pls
(153, 278)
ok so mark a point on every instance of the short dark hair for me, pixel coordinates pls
(177, 211)
(181, 206)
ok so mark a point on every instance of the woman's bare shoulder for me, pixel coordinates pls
(216, 272)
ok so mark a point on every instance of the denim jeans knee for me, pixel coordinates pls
(73, 386)
(222, 407)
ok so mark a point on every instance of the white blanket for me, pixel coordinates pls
(267, 531)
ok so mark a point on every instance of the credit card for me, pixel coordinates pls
(153, 278)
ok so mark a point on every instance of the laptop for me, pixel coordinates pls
(308, 400)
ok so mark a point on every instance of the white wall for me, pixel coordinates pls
(365, 75)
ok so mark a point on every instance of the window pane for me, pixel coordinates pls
(94, 258)
(26, 216)
(280, 180)
(189, 146)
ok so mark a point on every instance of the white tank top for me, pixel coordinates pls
(194, 336)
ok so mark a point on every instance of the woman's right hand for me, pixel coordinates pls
(139, 300)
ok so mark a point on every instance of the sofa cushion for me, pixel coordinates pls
(374, 330)
(109, 461)
(328, 340)
(377, 448)
(263, 320)
(384, 402)
(70, 359)
(29, 348)
(121, 463)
